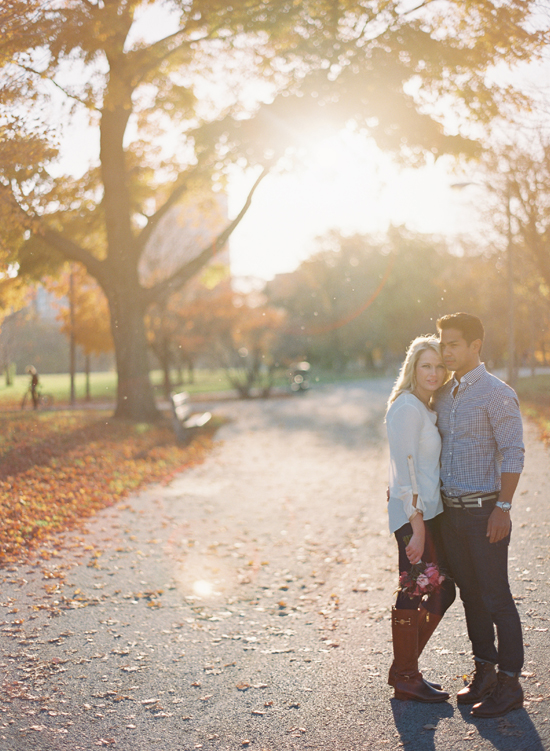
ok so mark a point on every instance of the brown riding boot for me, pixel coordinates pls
(407, 679)
(508, 695)
(427, 624)
(482, 685)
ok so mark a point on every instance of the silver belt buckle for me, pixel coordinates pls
(480, 502)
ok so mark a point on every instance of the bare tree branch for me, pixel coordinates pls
(74, 252)
(144, 60)
(188, 270)
(69, 249)
(51, 80)
(180, 187)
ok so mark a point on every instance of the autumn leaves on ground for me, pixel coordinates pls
(58, 468)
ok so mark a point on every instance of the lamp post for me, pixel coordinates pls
(72, 345)
(511, 301)
(511, 358)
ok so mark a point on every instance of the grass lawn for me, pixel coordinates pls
(103, 385)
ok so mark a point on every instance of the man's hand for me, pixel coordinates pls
(498, 525)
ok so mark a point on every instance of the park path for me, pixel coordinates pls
(246, 604)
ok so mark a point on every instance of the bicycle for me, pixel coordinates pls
(45, 401)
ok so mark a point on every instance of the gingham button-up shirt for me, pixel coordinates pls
(481, 433)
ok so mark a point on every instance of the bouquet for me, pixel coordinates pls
(421, 580)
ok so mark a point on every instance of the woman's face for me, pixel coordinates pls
(430, 371)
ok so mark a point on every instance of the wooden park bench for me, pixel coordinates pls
(183, 420)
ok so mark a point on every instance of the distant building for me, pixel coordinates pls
(45, 305)
(186, 230)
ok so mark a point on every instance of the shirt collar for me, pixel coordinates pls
(472, 376)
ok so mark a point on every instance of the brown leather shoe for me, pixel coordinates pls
(482, 685)
(508, 695)
(392, 679)
(413, 688)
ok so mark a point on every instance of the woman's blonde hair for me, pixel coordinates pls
(406, 380)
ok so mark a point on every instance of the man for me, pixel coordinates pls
(481, 461)
(31, 370)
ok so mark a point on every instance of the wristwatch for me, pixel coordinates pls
(504, 505)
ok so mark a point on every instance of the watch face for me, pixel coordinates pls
(504, 506)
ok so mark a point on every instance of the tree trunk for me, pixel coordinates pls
(166, 361)
(72, 342)
(135, 399)
(87, 368)
(121, 284)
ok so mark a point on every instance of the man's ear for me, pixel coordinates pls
(476, 346)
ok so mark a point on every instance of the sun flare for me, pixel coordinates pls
(203, 588)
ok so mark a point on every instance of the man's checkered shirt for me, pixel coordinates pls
(481, 432)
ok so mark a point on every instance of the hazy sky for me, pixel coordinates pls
(348, 185)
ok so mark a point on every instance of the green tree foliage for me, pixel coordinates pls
(518, 177)
(227, 81)
(362, 300)
(523, 175)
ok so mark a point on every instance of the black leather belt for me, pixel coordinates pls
(471, 500)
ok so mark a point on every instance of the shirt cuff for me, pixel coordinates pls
(406, 498)
(514, 465)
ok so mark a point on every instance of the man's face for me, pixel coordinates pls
(457, 354)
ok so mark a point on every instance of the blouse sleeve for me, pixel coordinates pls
(404, 427)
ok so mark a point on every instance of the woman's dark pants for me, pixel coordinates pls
(434, 552)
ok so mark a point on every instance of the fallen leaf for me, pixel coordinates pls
(49, 458)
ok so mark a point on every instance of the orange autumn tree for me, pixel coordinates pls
(242, 335)
(175, 332)
(239, 333)
(84, 314)
(14, 295)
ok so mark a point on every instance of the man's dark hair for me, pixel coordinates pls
(469, 326)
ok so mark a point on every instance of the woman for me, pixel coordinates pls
(414, 512)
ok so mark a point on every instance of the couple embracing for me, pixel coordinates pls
(456, 454)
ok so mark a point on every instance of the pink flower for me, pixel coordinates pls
(422, 581)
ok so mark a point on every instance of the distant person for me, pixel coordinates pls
(481, 461)
(415, 512)
(33, 386)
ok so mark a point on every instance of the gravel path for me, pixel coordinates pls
(247, 604)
